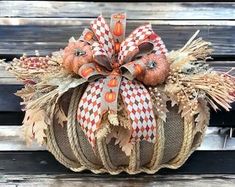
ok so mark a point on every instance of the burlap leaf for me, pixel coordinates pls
(117, 126)
(122, 138)
(60, 116)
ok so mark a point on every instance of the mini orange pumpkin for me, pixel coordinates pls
(118, 28)
(86, 72)
(157, 69)
(88, 36)
(138, 69)
(76, 54)
(113, 82)
(110, 96)
(117, 46)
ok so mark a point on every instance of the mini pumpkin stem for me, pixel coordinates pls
(152, 64)
(79, 52)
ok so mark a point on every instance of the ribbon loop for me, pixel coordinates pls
(101, 56)
(87, 36)
(91, 72)
(145, 48)
(129, 47)
(133, 69)
(103, 35)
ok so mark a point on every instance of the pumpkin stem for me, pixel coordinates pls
(79, 52)
(152, 64)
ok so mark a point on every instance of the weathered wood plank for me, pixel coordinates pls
(15, 40)
(7, 77)
(11, 140)
(11, 118)
(103, 181)
(135, 10)
(42, 162)
(77, 21)
(9, 102)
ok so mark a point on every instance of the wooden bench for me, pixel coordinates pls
(46, 26)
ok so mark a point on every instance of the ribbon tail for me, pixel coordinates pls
(109, 97)
(138, 103)
(136, 117)
(89, 114)
(97, 108)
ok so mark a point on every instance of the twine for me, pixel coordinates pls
(134, 160)
(72, 132)
(158, 146)
(53, 147)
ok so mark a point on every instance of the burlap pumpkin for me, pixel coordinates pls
(175, 142)
(101, 97)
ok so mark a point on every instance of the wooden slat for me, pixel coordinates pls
(11, 140)
(78, 21)
(10, 110)
(103, 181)
(11, 118)
(42, 162)
(9, 102)
(179, 10)
(7, 77)
(218, 119)
(17, 40)
(9, 85)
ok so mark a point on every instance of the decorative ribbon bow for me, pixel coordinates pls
(114, 70)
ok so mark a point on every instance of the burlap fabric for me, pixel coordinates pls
(175, 142)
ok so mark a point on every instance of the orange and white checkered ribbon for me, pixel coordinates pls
(113, 74)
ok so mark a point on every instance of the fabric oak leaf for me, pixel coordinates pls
(34, 126)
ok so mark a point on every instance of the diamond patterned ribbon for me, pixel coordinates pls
(114, 72)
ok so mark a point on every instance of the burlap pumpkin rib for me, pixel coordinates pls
(176, 140)
(53, 147)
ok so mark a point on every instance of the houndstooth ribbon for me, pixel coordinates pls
(114, 72)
